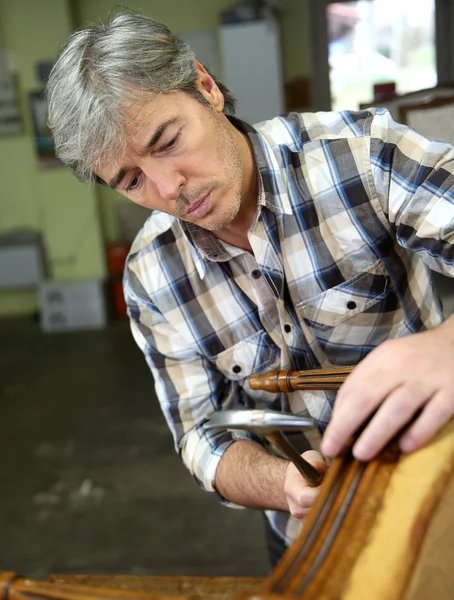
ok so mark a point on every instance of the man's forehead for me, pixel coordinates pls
(151, 106)
(141, 121)
(138, 114)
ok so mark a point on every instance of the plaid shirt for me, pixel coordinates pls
(352, 212)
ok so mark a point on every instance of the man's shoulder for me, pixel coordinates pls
(149, 262)
(159, 230)
(153, 232)
(294, 129)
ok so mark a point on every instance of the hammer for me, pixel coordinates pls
(270, 424)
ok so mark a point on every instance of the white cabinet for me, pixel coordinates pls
(251, 68)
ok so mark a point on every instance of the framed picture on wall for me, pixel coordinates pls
(10, 118)
(44, 144)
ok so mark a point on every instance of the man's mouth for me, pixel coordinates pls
(199, 208)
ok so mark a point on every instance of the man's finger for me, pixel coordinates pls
(307, 497)
(316, 460)
(297, 511)
(435, 414)
(348, 417)
(358, 398)
(395, 412)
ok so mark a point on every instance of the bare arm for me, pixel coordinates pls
(250, 476)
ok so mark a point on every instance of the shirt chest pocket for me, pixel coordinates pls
(253, 354)
(350, 319)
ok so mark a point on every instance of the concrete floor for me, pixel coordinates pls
(89, 479)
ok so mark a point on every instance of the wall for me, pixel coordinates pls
(296, 40)
(47, 200)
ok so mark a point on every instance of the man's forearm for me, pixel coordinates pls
(250, 476)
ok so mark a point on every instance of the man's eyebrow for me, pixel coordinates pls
(154, 139)
(113, 183)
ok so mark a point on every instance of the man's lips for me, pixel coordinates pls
(199, 208)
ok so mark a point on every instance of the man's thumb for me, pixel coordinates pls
(316, 459)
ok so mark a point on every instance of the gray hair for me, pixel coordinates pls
(103, 67)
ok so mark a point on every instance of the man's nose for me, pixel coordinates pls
(168, 181)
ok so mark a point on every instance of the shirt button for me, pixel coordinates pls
(256, 274)
(351, 305)
(287, 328)
(236, 369)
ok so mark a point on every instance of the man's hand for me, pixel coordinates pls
(395, 381)
(300, 497)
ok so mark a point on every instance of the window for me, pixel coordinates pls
(360, 44)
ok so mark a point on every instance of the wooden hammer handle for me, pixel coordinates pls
(289, 381)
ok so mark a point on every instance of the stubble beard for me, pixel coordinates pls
(229, 155)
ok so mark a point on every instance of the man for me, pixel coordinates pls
(300, 243)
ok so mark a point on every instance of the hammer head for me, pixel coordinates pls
(261, 422)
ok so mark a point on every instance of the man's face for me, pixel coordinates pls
(182, 158)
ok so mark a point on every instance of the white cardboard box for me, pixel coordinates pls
(72, 305)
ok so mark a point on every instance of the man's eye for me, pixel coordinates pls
(171, 144)
(134, 184)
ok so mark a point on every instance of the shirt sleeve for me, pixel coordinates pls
(414, 184)
(188, 387)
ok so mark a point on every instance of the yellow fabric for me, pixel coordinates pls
(410, 507)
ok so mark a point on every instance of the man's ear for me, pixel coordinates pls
(208, 88)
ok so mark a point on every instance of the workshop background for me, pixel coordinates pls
(89, 479)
